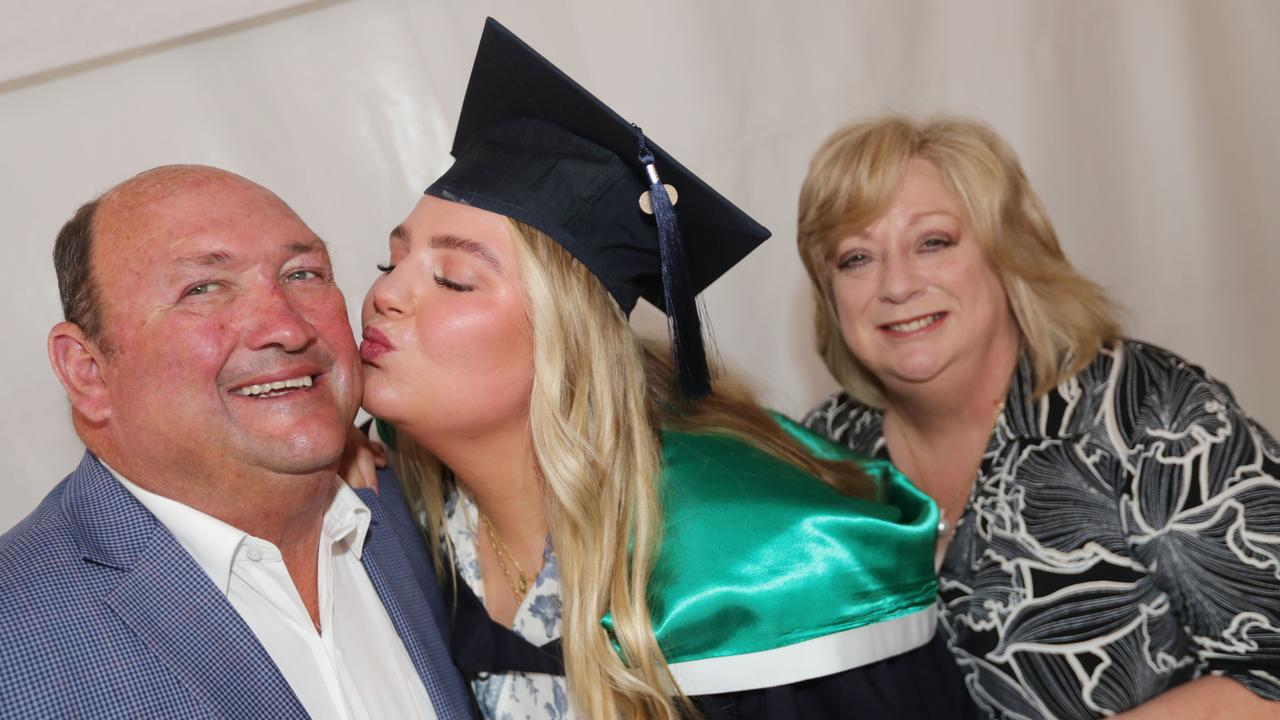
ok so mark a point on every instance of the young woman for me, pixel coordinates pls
(627, 537)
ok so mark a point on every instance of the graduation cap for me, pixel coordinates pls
(535, 146)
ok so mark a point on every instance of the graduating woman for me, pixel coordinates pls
(626, 536)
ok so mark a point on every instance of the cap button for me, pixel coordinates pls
(646, 200)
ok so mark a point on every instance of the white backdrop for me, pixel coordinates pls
(1149, 128)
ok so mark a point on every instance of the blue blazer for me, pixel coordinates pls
(103, 614)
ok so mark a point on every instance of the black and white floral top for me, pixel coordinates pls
(513, 695)
(1123, 537)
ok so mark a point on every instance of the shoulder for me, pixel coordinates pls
(842, 419)
(1145, 387)
(46, 585)
(1135, 365)
(791, 568)
(45, 534)
(1158, 363)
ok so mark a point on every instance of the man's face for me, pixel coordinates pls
(231, 349)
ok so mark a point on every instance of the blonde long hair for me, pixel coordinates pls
(1063, 318)
(599, 398)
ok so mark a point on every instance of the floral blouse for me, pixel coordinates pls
(1122, 537)
(514, 695)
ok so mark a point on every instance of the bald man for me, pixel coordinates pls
(204, 559)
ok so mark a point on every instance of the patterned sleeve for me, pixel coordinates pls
(1200, 507)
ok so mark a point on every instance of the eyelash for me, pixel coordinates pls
(945, 242)
(441, 280)
(849, 262)
(448, 284)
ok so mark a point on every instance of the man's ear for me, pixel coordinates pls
(76, 360)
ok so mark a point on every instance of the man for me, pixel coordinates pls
(205, 560)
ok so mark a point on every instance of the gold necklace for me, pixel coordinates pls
(944, 526)
(520, 584)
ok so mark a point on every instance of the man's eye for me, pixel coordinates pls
(297, 275)
(202, 289)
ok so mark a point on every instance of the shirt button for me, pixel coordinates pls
(254, 554)
(482, 675)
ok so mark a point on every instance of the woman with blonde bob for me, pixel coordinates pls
(625, 536)
(1109, 534)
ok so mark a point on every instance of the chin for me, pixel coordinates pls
(379, 405)
(307, 454)
(917, 370)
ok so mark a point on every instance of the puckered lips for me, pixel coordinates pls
(374, 345)
(284, 383)
(913, 326)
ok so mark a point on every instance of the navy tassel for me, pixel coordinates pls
(683, 323)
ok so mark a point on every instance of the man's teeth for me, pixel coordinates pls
(914, 325)
(264, 388)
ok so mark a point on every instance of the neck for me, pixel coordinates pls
(963, 397)
(499, 473)
(284, 509)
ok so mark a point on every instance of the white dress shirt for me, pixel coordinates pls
(355, 666)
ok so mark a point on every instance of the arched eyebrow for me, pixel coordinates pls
(449, 241)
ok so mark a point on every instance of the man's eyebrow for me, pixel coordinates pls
(302, 247)
(218, 257)
(449, 241)
(204, 259)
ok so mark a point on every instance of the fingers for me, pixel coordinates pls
(368, 468)
(361, 459)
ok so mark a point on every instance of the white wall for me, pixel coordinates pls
(1147, 126)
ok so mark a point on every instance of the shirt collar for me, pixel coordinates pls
(347, 518)
(214, 544)
(211, 542)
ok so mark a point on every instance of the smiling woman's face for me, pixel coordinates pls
(448, 345)
(916, 297)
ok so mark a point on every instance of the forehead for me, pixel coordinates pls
(924, 189)
(229, 215)
(433, 216)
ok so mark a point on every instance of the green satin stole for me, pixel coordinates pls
(758, 554)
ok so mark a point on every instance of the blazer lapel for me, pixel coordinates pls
(407, 603)
(182, 617)
(172, 605)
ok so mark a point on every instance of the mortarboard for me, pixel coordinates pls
(535, 146)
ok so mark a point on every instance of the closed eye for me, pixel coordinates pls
(448, 284)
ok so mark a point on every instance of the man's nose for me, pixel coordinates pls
(277, 318)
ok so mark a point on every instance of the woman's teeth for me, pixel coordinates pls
(264, 388)
(914, 325)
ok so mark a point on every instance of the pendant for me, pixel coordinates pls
(943, 525)
(524, 585)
